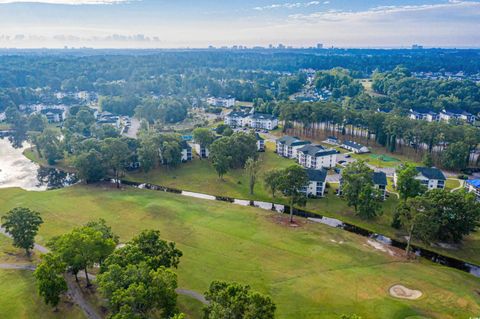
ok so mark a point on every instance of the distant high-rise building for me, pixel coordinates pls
(319, 45)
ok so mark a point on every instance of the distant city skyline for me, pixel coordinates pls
(201, 23)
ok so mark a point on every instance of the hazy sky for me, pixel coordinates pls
(199, 23)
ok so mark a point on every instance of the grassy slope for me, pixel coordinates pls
(200, 176)
(307, 274)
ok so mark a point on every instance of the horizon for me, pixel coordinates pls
(161, 24)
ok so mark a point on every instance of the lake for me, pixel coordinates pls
(18, 171)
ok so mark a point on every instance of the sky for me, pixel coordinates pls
(200, 23)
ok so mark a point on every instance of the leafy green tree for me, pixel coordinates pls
(293, 179)
(415, 221)
(37, 122)
(148, 152)
(355, 177)
(22, 224)
(171, 153)
(146, 247)
(407, 184)
(232, 301)
(83, 247)
(19, 124)
(117, 154)
(49, 278)
(457, 213)
(220, 155)
(203, 136)
(49, 143)
(428, 160)
(369, 202)
(90, 166)
(273, 180)
(353, 316)
(137, 291)
(252, 168)
(221, 164)
(454, 156)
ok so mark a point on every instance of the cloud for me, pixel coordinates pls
(66, 2)
(381, 11)
(290, 5)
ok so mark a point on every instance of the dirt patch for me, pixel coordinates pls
(402, 292)
(284, 220)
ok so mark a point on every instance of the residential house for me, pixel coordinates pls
(423, 114)
(251, 119)
(317, 181)
(316, 157)
(473, 186)
(201, 150)
(186, 151)
(380, 183)
(221, 102)
(355, 147)
(107, 118)
(431, 177)
(333, 140)
(262, 121)
(450, 114)
(236, 119)
(54, 115)
(287, 146)
(260, 143)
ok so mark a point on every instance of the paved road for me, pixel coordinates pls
(133, 130)
(17, 267)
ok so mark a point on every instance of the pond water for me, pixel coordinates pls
(18, 171)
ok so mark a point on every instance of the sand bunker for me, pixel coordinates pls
(380, 246)
(402, 292)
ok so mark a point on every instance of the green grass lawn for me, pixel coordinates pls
(312, 271)
(12, 255)
(199, 176)
(381, 159)
(19, 299)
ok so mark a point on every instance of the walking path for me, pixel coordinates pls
(75, 291)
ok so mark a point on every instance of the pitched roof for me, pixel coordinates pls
(262, 116)
(379, 178)
(431, 173)
(292, 141)
(353, 144)
(311, 149)
(317, 175)
(237, 114)
(455, 112)
(423, 111)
